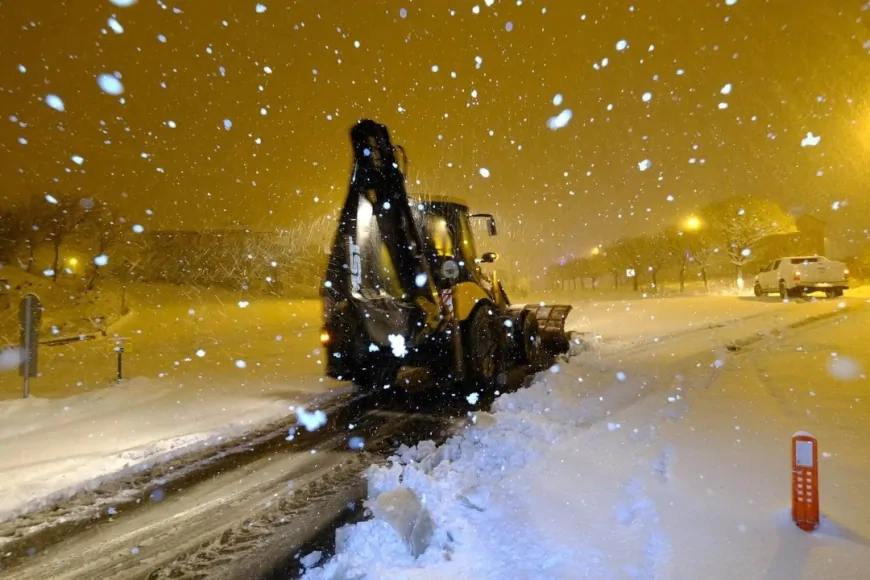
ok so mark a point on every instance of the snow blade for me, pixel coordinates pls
(551, 325)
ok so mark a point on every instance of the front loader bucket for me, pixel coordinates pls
(551, 325)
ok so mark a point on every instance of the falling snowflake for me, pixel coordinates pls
(484, 172)
(115, 25)
(621, 45)
(55, 103)
(644, 165)
(560, 120)
(810, 140)
(397, 344)
(101, 260)
(110, 84)
(261, 8)
(844, 368)
(311, 421)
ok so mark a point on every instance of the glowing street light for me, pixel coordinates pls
(693, 223)
(596, 250)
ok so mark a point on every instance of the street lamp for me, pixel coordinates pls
(596, 250)
(693, 223)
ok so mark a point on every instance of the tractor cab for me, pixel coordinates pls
(445, 225)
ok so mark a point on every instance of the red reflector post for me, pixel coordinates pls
(805, 481)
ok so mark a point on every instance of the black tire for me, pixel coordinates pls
(830, 293)
(838, 292)
(758, 291)
(531, 348)
(482, 343)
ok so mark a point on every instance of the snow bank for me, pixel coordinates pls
(52, 448)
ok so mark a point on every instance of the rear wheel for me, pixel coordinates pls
(482, 342)
(758, 290)
(838, 293)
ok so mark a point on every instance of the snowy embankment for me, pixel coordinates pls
(81, 428)
(51, 449)
(668, 461)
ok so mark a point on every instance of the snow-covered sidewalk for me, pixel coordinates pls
(670, 461)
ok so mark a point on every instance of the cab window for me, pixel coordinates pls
(440, 234)
(467, 250)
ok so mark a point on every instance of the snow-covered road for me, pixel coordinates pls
(667, 461)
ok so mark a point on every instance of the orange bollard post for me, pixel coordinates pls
(805, 481)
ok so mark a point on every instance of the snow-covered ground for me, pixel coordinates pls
(187, 388)
(669, 459)
(80, 427)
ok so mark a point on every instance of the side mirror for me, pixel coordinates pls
(488, 258)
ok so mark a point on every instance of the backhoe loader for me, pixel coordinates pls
(404, 286)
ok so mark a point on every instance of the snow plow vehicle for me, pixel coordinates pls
(404, 286)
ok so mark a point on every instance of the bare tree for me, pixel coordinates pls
(67, 217)
(626, 254)
(656, 252)
(32, 221)
(704, 249)
(106, 231)
(742, 222)
(10, 235)
(679, 244)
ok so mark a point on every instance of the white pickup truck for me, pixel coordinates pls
(800, 275)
